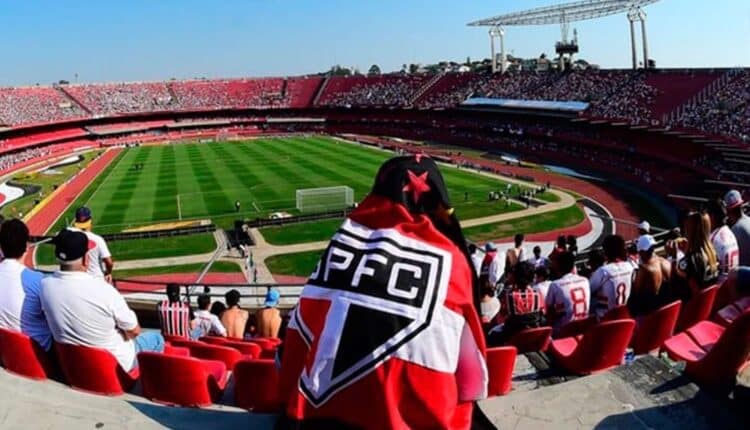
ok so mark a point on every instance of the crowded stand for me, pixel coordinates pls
(36, 105)
(386, 90)
(8, 161)
(112, 99)
(236, 93)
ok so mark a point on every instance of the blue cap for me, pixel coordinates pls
(83, 214)
(272, 298)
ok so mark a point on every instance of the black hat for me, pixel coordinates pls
(70, 245)
(413, 181)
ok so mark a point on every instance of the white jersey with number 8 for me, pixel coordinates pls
(610, 286)
(727, 250)
(568, 298)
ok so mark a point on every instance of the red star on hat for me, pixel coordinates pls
(417, 185)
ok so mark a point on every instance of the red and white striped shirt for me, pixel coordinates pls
(174, 318)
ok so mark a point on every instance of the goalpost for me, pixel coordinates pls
(324, 199)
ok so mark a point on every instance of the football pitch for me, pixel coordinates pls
(153, 184)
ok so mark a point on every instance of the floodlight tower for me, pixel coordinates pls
(497, 32)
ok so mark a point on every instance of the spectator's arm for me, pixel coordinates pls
(125, 319)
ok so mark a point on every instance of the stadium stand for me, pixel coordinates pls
(36, 105)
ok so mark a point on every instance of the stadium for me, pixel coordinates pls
(252, 185)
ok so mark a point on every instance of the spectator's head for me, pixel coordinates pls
(518, 240)
(596, 259)
(472, 248)
(523, 275)
(233, 298)
(83, 218)
(644, 228)
(614, 248)
(488, 290)
(572, 241)
(70, 249)
(697, 230)
(173, 293)
(645, 246)
(490, 247)
(218, 308)
(717, 213)
(566, 262)
(561, 242)
(541, 274)
(272, 298)
(14, 238)
(204, 302)
(537, 251)
(733, 202)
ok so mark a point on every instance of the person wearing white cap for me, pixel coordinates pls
(723, 240)
(739, 223)
(493, 266)
(644, 228)
(653, 272)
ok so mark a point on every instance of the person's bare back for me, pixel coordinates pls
(269, 322)
(235, 320)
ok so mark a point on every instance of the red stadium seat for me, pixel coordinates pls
(228, 356)
(257, 386)
(184, 343)
(214, 340)
(23, 356)
(531, 340)
(176, 351)
(600, 348)
(94, 370)
(617, 313)
(697, 309)
(266, 343)
(173, 339)
(500, 364)
(713, 354)
(732, 311)
(655, 328)
(576, 327)
(245, 348)
(182, 381)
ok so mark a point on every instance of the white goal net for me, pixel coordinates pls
(324, 199)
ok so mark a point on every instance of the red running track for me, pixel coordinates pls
(43, 220)
(132, 285)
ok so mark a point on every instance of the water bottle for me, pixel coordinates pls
(629, 356)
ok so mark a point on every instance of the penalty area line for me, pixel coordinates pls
(255, 206)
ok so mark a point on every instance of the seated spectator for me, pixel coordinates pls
(218, 308)
(569, 296)
(268, 319)
(84, 310)
(723, 240)
(538, 260)
(610, 284)
(523, 306)
(699, 268)
(100, 260)
(234, 318)
(651, 284)
(489, 304)
(207, 324)
(175, 316)
(20, 306)
(739, 223)
(560, 247)
(542, 281)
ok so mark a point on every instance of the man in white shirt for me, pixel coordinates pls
(476, 258)
(20, 306)
(538, 260)
(208, 324)
(493, 266)
(723, 240)
(568, 297)
(610, 284)
(84, 310)
(99, 257)
(541, 281)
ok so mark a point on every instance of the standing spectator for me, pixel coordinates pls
(610, 284)
(20, 306)
(723, 240)
(269, 318)
(476, 258)
(523, 306)
(644, 228)
(175, 316)
(234, 318)
(650, 291)
(699, 268)
(560, 248)
(84, 310)
(100, 263)
(492, 266)
(207, 323)
(516, 254)
(538, 260)
(569, 296)
(739, 223)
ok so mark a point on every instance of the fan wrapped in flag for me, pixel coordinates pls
(386, 332)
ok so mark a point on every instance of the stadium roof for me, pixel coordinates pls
(568, 12)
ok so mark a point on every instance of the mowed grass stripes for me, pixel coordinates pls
(204, 180)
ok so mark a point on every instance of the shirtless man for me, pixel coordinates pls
(269, 318)
(652, 274)
(516, 254)
(234, 319)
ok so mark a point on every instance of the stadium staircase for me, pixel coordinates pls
(321, 90)
(426, 88)
(677, 88)
(73, 99)
(705, 94)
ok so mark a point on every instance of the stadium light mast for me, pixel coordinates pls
(563, 15)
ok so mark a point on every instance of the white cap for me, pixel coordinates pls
(489, 246)
(733, 199)
(645, 243)
(645, 226)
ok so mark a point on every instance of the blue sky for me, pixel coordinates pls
(44, 41)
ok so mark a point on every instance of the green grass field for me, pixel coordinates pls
(195, 181)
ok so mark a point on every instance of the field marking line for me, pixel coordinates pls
(256, 207)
